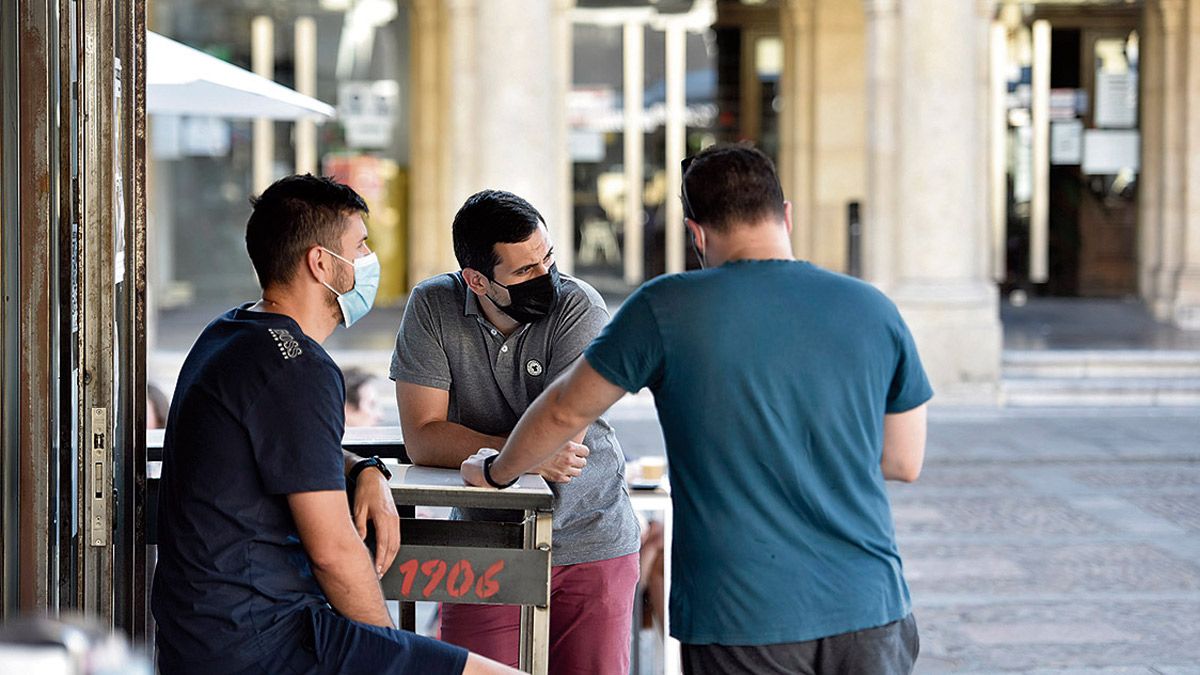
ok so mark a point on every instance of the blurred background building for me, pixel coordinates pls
(951, 152)
(1022, 177)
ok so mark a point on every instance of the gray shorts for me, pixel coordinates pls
(887, 650)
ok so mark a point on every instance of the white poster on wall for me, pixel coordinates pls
(1116, 99)
(1066, 142)
(1108, 151)
(368, 111)
(585, 146)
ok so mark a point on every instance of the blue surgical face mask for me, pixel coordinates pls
(357, 301)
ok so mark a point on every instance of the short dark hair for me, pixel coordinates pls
(727, 185)
(355, 379)
(291, 216)
(487, 218)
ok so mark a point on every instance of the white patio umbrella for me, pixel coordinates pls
(185, 81)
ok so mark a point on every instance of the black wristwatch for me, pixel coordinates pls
(363, 464)
(487, 474)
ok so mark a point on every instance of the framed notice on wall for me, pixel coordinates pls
(1066, 142)
(1111, 151)
(1116, 83)
(1116, 100)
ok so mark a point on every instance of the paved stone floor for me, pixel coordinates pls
(1089, 323)
(1056, 541)
(1046, 541)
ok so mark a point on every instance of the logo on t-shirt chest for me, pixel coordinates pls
(534, 368)
(287, 344)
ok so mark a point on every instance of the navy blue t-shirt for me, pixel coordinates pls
(772, 379)
(257, 415)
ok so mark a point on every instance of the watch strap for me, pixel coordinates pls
(487, 474)
(363, 464)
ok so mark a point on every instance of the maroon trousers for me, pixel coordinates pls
(591, 613)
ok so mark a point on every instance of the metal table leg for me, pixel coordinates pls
(535, 620)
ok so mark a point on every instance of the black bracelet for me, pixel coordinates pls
(487, 474)
(362, 464)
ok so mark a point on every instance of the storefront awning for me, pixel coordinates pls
(181, 80)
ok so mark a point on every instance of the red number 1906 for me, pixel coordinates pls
(460, 578)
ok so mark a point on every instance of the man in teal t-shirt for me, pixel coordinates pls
(787, 395)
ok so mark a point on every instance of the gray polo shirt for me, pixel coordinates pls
(446, 342)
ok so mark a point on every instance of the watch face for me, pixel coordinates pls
(375, 461)
(367, 463)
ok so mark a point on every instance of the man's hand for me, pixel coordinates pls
(472, 467)
(565, 464)
(373, 503)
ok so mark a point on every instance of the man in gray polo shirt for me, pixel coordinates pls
(474, 349)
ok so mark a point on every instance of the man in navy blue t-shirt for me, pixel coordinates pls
(262, 567)
(787, 395)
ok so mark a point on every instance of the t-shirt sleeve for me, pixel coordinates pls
(576, 329)
(419, 357)
(296, 428)
(910, 386)
(629, 351)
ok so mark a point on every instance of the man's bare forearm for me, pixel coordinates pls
(543, 429)
(447, 444)
(904, 437)
(350, 586)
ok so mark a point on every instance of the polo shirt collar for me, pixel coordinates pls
(471, 305)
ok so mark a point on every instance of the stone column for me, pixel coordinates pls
(262, 57)
(1150, 191)
(465, 111)
(1186, 311)
(883, 176)
(839, 158)
(796, 133)
(520, 102)
(428, 227)
(562, 223)
(985, 242)
(927, 193)
(1173, 161)
(633, 50)
(489, 100)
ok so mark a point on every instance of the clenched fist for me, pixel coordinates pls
(565, 464)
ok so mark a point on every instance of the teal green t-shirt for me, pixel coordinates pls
(771, 379)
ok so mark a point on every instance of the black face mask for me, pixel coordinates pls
(531, 300)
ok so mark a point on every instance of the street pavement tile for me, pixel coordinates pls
(987, 570)
(1075, 635)
(991, 514)
(957, 477)
(1049, 633)
(1183, 510)
(1119, 670)
(1033, 436)
(1125, 477)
